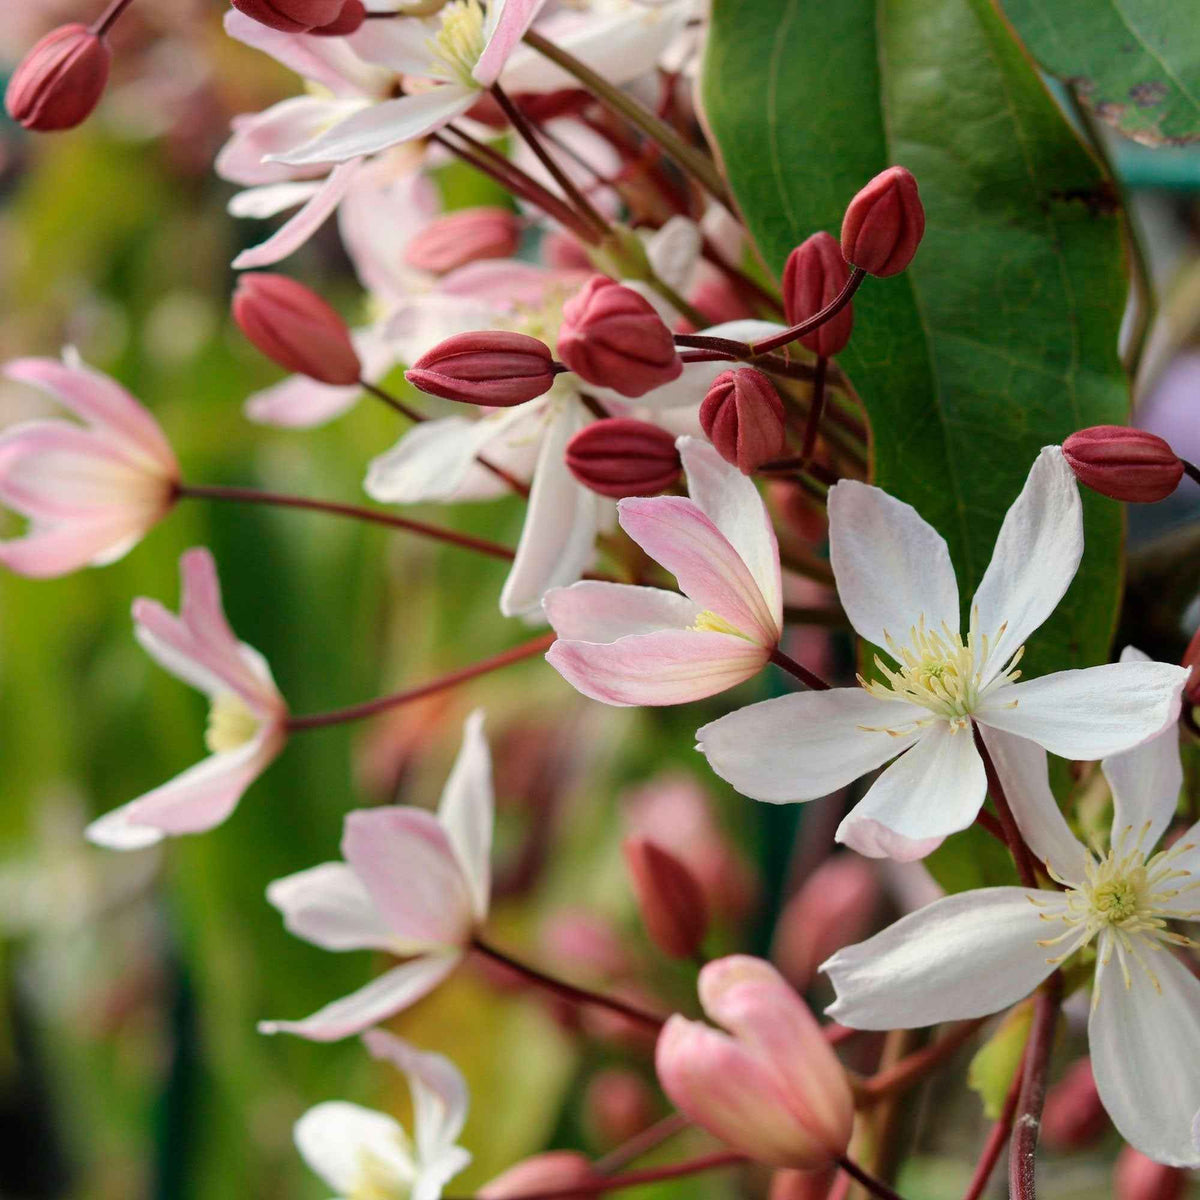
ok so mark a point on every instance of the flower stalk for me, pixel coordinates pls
(1022, 1152)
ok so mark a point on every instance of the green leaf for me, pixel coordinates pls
(1001, 337)
(1135, 63)
(995, 1064)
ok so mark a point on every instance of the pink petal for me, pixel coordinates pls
(290, 123)
(509, 20)
(595, 611)
(300, 403)
(328, 906)
(467, 812)
(50, 551)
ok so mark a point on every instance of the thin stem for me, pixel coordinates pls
(110, 17)
(996, 1138)
(1023, 1151)
(594, 406)
(986, 821)
(1191, 470)
(391, 401)
(875, 1186)
(830, 311)
(641, 1143)
(802, 673)
(569, 991)
(815, 410)
(241, 495)
(1012, 833)
(914, 1067)
(371, 708)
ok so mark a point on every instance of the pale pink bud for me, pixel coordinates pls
(1136, 1177)
(491, 367)
(813, 278)
(583, 943)
(671, 900)
(291, 16)
(617, 1105)
(462, 237)
(884, 223)
(1073, 1115)
(1191, 658)
(802, 1185)
(60, 81)
(835, 907)
(771, 1087)
(295, 328)
(556, 1170)
(623, 457)
(349, 20)
(612, 337)
(564, 252)
(1126, 464)
(743, 417)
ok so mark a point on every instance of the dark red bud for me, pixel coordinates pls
(1126, 464)
(1074, 1115)
(348, 21)
(884, 223)
(291, 16)
(491, 367)
(623, 457)
(60, 81)
(612, 337)
(294, 327)
(1137, 1177)
(743, 417)
(671, 899)
(462, 237)
(814, 276)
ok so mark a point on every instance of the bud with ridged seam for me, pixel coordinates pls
(462, 237)
(622, 457)
(884, 224)
(742, 415)
(349, 20)
(60, 81)
(1123, 463)
(670, 898)
(492, 367)
(291, 16)
(813, 278)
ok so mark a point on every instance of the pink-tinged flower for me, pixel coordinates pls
(247, 724)
(977, 952)
(412, 884)
(366, 1155)
(641, 645)
(91, 492)
(771, 1087)
(1136, 1177)
(553, 1171)
(897, 585)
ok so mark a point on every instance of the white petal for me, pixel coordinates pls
(272, 199)
(673, 252)
(328, 906)
(334, 1139)
(933, 790)
(595, 611)
(467, 812)
(806, 745)
(1145, 1047)
(1189, 859)
(1036, 556)
(892, 567)
(965, 956)
(1092, 713)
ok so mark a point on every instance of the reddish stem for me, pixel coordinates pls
(641, 1143)
(1023, 1151)
(815, 410)
(875, 1186)
(1012, 833)
(802, 673)
(996, 1138)
(914, 1067)
(110, 16)
(830, 311)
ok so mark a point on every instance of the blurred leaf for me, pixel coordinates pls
(971, 859)
(995, 1064)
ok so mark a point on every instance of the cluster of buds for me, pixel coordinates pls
(329, 18)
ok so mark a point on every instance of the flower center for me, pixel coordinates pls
(378, 1180)
(709, 622)
(231, 724)
(459, 43)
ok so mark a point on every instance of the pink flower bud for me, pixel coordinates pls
(884, 223)
(556, 1170)
(771, 1087)
(1137, 1177)
(294, 327)
(349, 20)
(461, 237)
(60, 81)
(743, 417)
(814, 275)
(623, 457)
(802, 1185)
(489, 366)
(613, 338)
(1126, 464)
(669, 896)
(617, 1105)
(291, 16)
(1073, 1116)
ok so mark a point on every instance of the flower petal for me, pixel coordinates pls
(595, 611)
(48, 551)
(328, 906)
(507, 21)
(335, 1138)
(467, 812)
(965, 956)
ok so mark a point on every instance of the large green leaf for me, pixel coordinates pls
(1001, 337)
(1135, 63)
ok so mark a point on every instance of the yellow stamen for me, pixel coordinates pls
(709, 622)
(231, 724)
(459, 43)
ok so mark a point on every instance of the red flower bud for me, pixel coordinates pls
(489, 366)
(462, 237)
(1126, 464)
(815, 274)
(1137, 1177)
(294, 327)
(612, 337)
(348, 21)
(1074, 1116)
(884, 223)
(291, 16)
(1191, 658)
(670, 898)
(743, 418)
(623, 457)
(60, 81)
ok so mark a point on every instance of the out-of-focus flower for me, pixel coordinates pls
(884, 223)
(1126, 464)
(366, 1155)
(622, 457)
(462, 237)
(60, 81)
(247, 725)
(491, 367)
(552, 1171)
(814, 275)
(1073, 1116)
(742, 415)
(771, 1087)
(92, 493)
(670, 898)
(618, 1104)
(639, 645)
(802, 1185)
(897, 585)
(412, 885)
(1136, 1177)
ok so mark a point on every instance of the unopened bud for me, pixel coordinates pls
(462, 237)
(492, 367)
(1126, 464)
(349, 20)
(1074, 1115)
(612, 337)
(60, 81)
(294, 327)
(556, 1170)
(743, 417)
(291, 16)
(670, 898)
(617, 1105)
(623, 457)
(1136, 1177)
(813, 278)
(884, 223)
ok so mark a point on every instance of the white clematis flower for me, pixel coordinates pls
(898, 588)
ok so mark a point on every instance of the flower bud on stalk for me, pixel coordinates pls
(464, 237)
(670, 898)
(814, 276)
(622, 457)
(612, 337)
(1074, 1116)
(349, 20)
(1126, 464)
(555, 1170)
(291, 16)
(60, 81)
(743, 417)
(884, 224)
(294, 327)
(1137, 1177)
(491, 367)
